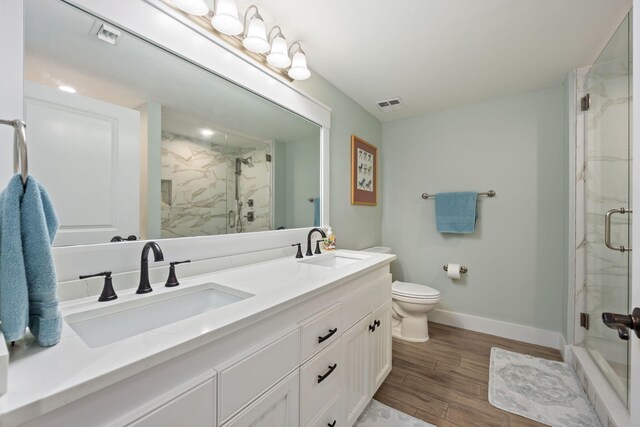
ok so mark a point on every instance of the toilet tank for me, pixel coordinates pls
(379, 249)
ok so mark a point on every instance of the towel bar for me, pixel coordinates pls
(489, 193)
(20, 156)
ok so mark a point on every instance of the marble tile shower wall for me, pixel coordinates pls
(203, 187)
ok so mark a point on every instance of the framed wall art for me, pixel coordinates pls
(364, 162)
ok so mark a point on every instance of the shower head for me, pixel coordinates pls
(247, 161)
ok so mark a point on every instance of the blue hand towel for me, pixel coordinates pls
(28, 225)
(14, 298)
(39, 225)
(456, 212)
(316, 212)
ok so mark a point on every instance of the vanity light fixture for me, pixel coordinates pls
(225, 18)
(255, 38)
(299, 69)
(268, 50)
(278, 56)
(192, 7)
(67, 89)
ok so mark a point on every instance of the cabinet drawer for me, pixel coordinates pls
(332, 415)
(320, 331)
(244, 380)
(321, 379)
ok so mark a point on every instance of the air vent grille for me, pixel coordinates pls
(389, 104)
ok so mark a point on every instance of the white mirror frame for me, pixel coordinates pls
(156, 22)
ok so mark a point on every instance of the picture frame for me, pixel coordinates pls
(364, 177)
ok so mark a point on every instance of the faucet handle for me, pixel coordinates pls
(299, 254)
(108, 294)
(318, 251)
(172, 280)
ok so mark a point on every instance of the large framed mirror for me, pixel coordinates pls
(135, 142)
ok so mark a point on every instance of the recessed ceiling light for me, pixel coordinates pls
(67, 89)
(206, 132)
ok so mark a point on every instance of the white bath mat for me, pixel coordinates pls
(378, 415)
(539, 389)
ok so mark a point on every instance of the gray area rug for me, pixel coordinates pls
(378, 415)
(542, 390)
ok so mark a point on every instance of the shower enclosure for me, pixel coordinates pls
(603, 219)
(218, 184)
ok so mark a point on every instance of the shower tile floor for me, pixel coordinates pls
(445, 380)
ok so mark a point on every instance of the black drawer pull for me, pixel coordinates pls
(333, 424)
(331, 369)
(377, 323)
(329, 335)
(372, 328)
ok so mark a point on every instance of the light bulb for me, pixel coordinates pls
(226, 19)
(278, 56)
(256, 40)
(299, 70)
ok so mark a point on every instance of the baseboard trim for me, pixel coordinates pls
(499, 328)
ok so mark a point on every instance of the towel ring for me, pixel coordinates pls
(20, 155)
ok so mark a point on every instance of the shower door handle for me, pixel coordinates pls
(607, 229)
(623, 322)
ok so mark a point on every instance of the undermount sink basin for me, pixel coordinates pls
(333, 260)
(120, 320)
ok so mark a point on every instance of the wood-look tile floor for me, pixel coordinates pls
(445, 380)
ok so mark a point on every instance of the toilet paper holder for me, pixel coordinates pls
(463, 269)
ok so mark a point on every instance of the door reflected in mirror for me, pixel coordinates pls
(130, 139)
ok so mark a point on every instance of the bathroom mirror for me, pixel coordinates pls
(132, 140)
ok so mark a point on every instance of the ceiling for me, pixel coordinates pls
(440, 54)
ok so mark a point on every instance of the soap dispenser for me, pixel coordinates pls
(330, 240)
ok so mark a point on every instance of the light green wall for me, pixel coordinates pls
(355, 227)
(515, 258)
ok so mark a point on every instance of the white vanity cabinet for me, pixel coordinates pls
(367, 344)
(314, 363)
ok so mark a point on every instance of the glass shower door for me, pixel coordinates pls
(607, 189)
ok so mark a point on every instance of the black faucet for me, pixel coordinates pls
(144, 286)
(313, 230)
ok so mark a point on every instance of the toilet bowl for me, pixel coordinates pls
(411, 303)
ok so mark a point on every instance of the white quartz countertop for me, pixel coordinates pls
(43, 379)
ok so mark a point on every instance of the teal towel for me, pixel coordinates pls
(39, 226)
(456, 212)
(30, 249)
(14, 296)
(316, 212)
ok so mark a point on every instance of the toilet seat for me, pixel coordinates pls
(414, 290)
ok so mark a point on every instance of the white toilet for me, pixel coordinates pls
(411, 303)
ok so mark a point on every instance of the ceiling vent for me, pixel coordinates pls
(108, 34)
(390, 104)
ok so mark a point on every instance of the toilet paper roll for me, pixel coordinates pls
(453, 270)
